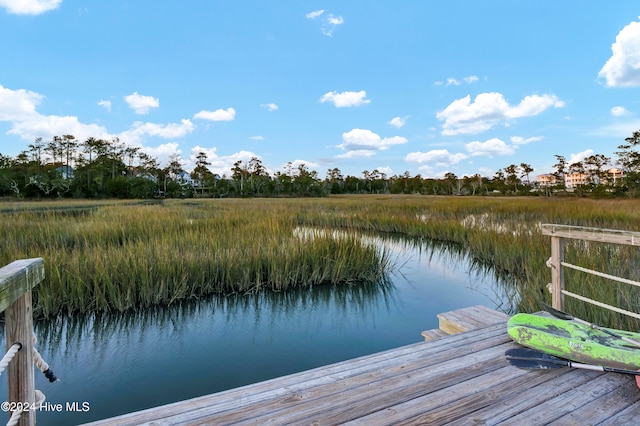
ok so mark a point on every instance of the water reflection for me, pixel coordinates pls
(121, 363)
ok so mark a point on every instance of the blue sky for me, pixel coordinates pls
(420, 86)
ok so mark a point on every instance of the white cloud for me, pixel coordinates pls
(618, 111)
(219, 164)
(519, 140)
(437, 157)
(297, 163)
(366, 140)
(257, 138)
(141, 104)
(363, 153)
(533, 105)
(228, 114)
(329, 22)
(452, 81)
(18, 104)
(29, 7)
(488, 109)
(167, 131)
(315, 14)
(335, 20)
(491, 148)
(270, 106)
(623, 67)
(47, 127)
(19, 108)
(574, 158)
(105, 104)
(346, 99)
(162, 152)
(385, 169)
(398, 121)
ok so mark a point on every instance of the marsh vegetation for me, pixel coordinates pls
(121, 256)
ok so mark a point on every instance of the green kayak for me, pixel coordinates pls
(575, 342)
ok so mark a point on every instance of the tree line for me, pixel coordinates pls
(98, 168)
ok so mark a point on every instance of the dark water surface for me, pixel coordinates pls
(116, 364)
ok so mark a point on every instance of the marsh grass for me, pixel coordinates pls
(504, 234)
(123, 256)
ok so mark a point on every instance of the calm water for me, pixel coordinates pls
(123, 363)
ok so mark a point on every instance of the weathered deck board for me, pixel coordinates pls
(468, 319)
(458, 379)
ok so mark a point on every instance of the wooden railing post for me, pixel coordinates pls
(16, 281)
(557, 272)
(19, 329)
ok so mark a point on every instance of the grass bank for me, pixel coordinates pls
(123, 256)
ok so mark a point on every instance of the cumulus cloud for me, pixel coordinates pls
(618, 111)
(228, 114)
(437, 157)
(18, 107)
(141, 104)
(105, 104)
(18, 104)
(297, 163)
(329, 22)
(270, 106)
(49, 126)
(491, 148)
(167, 131)
(366, 140)
(463, 116)
(623, 67)
(29, 7)
(574, 158)
(219, 164)
(398, 122)
(443, 158)
(162, 152)
(345, 99)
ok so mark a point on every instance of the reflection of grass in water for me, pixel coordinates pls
(503, 234)
(71, 333)
(504, 290)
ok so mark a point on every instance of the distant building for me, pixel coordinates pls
(65, 171)
(546, 179)
(615, 175)
(575, 180)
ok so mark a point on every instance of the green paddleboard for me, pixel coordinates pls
(575, 342)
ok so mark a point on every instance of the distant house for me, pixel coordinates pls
(184, 178)
(575, 180)
(615, 175)
(65, 171)
(546, 180)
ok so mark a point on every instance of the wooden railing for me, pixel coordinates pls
(559, 234)
(16, 282)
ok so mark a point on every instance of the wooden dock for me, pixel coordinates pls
(453, 379)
